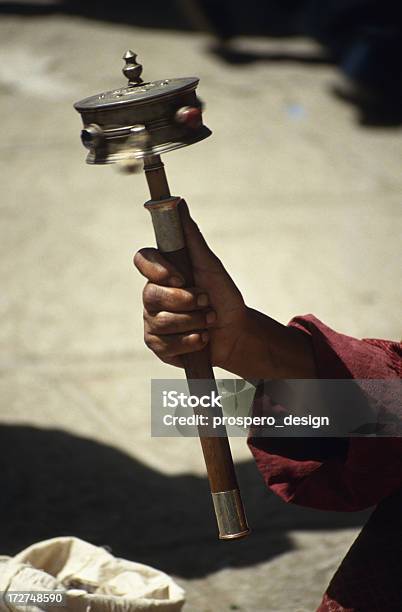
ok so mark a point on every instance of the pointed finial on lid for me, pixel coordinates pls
(132, 71)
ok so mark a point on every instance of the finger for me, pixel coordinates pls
(157, 298)
(156, 268)
(172, 346)
(201, 254)
(162, 323)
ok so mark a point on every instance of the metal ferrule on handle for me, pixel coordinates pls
(165, 212)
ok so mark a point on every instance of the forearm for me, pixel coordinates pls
(269, 350)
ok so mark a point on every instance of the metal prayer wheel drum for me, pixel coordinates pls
(142, 119)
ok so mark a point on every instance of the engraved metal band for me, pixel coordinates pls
(230, 516)
(167, 224)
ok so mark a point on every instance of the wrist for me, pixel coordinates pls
(267, 349)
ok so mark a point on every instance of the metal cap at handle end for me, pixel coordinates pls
(230, 516)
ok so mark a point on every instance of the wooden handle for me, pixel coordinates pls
(217, 454)
(165, 212)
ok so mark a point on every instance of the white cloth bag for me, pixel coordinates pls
(93, 580)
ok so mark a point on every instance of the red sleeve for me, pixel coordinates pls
(345, 474)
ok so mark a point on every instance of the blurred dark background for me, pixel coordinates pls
(363, 37)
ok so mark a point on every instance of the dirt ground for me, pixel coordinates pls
(301, 203)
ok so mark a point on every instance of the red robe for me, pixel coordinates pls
(347, 474)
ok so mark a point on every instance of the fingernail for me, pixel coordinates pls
(176, 281)
(202, 299)
(205, 336)
(211, 316)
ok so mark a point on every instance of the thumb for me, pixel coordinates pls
(200, 253)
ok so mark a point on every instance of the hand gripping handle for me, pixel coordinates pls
(230, 516)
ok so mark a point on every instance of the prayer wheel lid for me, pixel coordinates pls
(143, 118)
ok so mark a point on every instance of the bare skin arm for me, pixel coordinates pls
(241, 340)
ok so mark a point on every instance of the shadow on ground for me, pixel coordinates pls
(53, 483)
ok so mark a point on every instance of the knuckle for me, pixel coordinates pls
(193, 340)
(164, 350)
(149, 341)
(161, 321)
(140, 257)
(152, 295)
(188, 298)
(145, 295)
(157, 345)
(170, 347)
